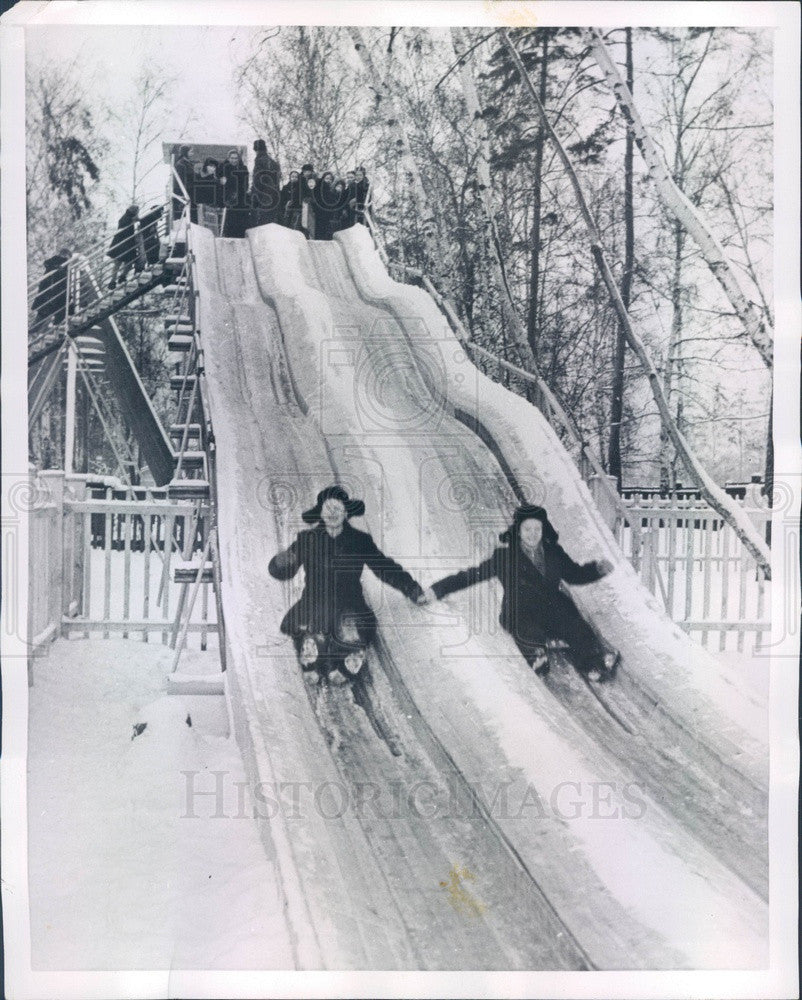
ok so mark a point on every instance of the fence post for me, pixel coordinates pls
(53, 482)
(74, 552)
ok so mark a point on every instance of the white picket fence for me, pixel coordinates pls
(696, 565)
(103, 566)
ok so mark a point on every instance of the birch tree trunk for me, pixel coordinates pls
(513, 321)
(713, 494)
(533, 316)
(396, 118)
(758, 330)
(619, 354)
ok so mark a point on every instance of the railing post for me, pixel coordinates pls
(53, 482)
(74, 554)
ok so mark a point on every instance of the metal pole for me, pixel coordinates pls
(69, 423)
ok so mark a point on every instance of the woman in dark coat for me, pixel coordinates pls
(332, 612)
(534, 610)
(339, 211)
(290, 202)
(325, 206)
(124, 249)
(207, 184)
(149, 228)
(359, 195)
(51, 295)
(234, 178)
(309, 205)
(265, 188)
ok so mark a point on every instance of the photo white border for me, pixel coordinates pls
(781, 979)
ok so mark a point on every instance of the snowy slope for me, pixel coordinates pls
(123, 874)
(319, 368)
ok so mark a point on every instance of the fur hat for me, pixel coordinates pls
(259, 146)
(307, 166)
(523, 513)
(353, 508)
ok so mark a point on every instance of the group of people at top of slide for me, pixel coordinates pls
(332, 625)
(317, 206)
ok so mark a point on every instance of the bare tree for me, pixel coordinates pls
(619, 352)
(144, 120)
(303, 97)
(755, 324)
(714, 495)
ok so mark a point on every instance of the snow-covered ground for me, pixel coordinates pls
(121, 876)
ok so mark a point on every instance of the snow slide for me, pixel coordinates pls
(524, 826)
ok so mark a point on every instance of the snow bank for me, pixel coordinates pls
(128, 870)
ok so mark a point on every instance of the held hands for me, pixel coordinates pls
(604, 566)
(427, 597)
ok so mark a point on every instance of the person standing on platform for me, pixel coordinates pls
(235, 196)
(309, 185)
(350, 206)
(290, 202)
(266, 186)
(361, 191)
(184, 184)
(209, 193)
(325, 202)
(339, 209)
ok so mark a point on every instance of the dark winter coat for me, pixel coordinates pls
(308, 193)
(235, 198)
(333, 567)
(339, 213)
(235, 189)
(357, 199)
(290, 204)
(208, 190)
(534, 609)
(123, 246)
(265, 185)
(329, 202)
(50, 299)
(150, 234)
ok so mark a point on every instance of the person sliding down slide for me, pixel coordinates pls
(534, 610)
(331, 625)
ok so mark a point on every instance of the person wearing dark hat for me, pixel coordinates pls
(359, 199)
(331, 624)
(534, 609)
(149, 230)
(309, 185)
(289, 207)
(234, 178)
(265, 186)
(51, 295)
(124, 249)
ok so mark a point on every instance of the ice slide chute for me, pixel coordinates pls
(319, 368)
